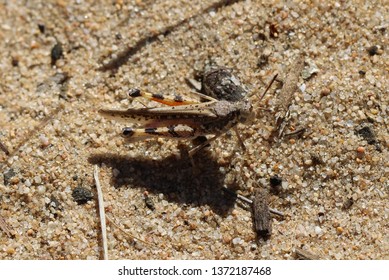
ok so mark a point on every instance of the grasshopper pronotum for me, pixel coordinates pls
(223, 105)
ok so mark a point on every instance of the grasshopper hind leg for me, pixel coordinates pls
(173, 131)
(134, 135)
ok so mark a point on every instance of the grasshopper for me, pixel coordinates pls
(222, 105)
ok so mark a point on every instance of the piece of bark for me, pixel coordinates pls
(261, 214)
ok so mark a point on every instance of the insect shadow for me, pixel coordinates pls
(174, 177)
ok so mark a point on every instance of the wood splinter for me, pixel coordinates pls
(302, 254)
(4, 149)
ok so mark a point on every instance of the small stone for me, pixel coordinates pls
(259, 36)
(325, 92)
(82, 195)
(237, 241)
(316, 159)
(227, 238)
(44, 140)
(56, 53)
(10, 250)
(37, 179)
(8, 175)
(339, 230)
(41, 189)
(14, 61)
(306, 96)
(374, 111)
(149, 203)
(263, 60)
(360, 150)
(348, 203)
(41, 28)
(275, 181)
(294, 14)
(373, 50)
(309, 71)
(14, 180)
(365, 130)
(321, 217)
(318, 230)
(192, 225)
(362, 73)
(234, 213)
(34, 44)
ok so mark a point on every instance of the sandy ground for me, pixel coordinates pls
(62, 61)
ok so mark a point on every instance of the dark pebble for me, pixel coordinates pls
(82, 195)
(149, 203)
(373, 50)
(367, 133)
(275, 181)
(8, 175)
(56, 53)
(42, 28)
(275, 184)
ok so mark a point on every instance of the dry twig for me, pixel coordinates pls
(101, 213)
